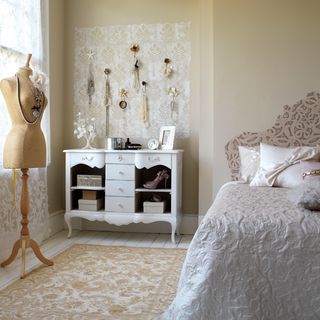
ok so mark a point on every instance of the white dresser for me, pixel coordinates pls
(123, 174)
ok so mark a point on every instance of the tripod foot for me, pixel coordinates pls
(14, 253)
(36, 249)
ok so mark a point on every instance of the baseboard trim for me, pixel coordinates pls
(56, 222)
(189, 225)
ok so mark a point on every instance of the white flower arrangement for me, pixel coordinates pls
(85, 128)
(39, 79)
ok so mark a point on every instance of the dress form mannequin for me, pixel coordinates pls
(25, 146)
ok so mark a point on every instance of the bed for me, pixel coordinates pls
(255, 254)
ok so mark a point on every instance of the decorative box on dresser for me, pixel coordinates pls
(123, 174)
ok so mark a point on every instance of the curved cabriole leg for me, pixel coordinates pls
(178, 229)
(67, 219)
(35, 247)
(173, 230)
(13, 255)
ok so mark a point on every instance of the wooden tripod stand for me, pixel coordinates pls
(25, 242)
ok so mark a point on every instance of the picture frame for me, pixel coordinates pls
(166, 139)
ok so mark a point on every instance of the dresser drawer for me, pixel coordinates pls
(91, 159)
(148, 160)
(120, 204)
(120, 188)
(120, 158)
(120, 172)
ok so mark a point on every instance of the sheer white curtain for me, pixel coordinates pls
(22, 30)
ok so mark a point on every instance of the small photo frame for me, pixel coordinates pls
(167, 137)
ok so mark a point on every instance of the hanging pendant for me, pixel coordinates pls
(36, 113)
(144, 104)
(123, 104)
(168, 68)
(107, 98)
(123, 94)
(173, 93)
(135, 82)
(90, 84)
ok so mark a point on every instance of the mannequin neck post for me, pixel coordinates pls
(25, 72)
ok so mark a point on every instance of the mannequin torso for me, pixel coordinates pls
(25, 145)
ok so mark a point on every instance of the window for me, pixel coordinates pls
(21, 32)
(20, 26)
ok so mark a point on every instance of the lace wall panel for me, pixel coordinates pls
(110, 47)
(299, 125)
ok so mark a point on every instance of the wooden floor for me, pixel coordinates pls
(59, 242)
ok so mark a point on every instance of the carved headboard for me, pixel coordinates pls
(298, 125)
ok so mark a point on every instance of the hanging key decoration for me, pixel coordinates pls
(90, 85)
(123, 95)
(173, 93)
(168, 68)
(107, 98)
(135, 83)
(144, 103)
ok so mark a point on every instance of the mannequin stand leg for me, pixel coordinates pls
(36, 249)
(25, 242)
(13, 255)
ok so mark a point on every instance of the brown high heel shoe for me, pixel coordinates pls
(154, 183)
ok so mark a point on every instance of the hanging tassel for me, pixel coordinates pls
(135, 83)
(90, 89)
(14, 186)
(90, 85)
(144, 104)
(107, 98)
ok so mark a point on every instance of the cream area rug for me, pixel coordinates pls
(97, 282)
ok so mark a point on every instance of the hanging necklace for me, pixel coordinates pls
(39, 102)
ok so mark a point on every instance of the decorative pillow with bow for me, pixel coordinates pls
(274, 160)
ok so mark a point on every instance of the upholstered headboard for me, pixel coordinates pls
(298, 125)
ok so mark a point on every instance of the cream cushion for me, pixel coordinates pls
(291, 177)
(273, 160)
(249, 162)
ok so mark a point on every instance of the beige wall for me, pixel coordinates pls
(206, 107)
(90, 13)
(56, 55)
(266, 55)
(249, 59)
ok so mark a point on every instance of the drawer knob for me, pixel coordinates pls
(87, 158)
(153, 159)
(121, 172)
(120, 189)
(120, 157)
(120, 205)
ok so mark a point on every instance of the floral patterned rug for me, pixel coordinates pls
(97, 282)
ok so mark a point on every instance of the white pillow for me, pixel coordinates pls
(271, 156)
(274, 160)
(249, 162)
(292, 176)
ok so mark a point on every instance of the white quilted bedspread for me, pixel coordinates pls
(254, 256)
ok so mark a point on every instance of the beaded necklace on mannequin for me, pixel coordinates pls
(39, 102)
